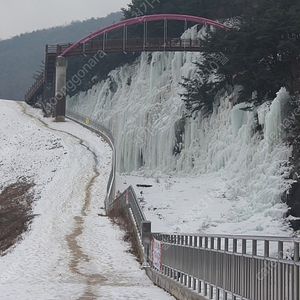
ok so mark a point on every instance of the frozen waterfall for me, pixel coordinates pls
(142, 106)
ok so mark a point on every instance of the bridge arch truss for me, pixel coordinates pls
(143, 19)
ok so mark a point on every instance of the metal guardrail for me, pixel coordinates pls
(128, 199)
(95, 125)
(224, 266)
(220, 266)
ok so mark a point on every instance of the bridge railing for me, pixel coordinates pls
(36, 86)
(136, 44)
(51, 49)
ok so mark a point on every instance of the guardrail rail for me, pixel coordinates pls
(220, 266)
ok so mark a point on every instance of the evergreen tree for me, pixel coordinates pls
(200, 90)
(264, 51)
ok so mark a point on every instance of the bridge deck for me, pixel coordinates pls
(129, 45)
(91, 47)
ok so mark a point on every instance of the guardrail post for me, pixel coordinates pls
(226, 246)
(219, 242)
(211, 275)
(206, 271)
(146, 238)
(296, 251)
(234, 282)
(254, 247)
(280, 250)
(267, 248)
(195, 260)
(254, 269)
(190, 261)
(244, 268)
(185, 243)
(296, 293)
(206, 242)
(146, 233)
(266, 277)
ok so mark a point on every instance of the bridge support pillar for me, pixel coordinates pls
(60, 89)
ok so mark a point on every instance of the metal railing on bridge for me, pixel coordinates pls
(130, 45)
(92, 47)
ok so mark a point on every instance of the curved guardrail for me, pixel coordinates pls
(128, 199)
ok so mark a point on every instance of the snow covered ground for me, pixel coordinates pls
(70, 251)
(200, 205)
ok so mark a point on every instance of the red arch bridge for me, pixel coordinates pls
(54, 76)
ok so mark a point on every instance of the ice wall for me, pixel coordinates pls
(254, 165)
(142, 106)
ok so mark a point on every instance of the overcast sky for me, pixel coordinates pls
(20, 16)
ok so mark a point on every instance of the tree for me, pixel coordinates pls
(201, 90)
(263, 51)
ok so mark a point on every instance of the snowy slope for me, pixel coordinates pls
(70, 251)
(221, 154)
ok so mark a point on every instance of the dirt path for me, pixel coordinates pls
(78, 255)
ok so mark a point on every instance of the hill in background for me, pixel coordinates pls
(22, 56)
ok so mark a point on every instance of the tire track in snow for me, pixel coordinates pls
(76, 250)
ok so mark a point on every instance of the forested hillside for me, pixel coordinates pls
(22, 56)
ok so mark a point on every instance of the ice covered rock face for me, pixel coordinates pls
(145, 113)
(142, 106)
(143, 110)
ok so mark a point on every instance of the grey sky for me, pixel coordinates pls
(20, 16)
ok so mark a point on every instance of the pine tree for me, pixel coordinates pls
(200, 90)
(264, 52)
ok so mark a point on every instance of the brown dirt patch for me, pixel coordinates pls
(15, 213)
